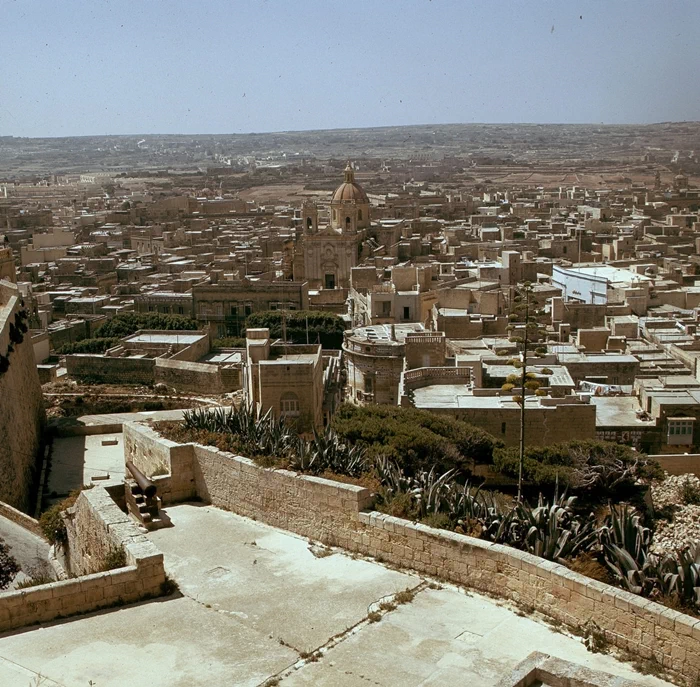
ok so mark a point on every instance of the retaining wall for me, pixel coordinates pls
(95, 525)
(335, 513)
(21, 519)
(22, 414)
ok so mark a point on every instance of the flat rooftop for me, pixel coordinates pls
(253, 599)
(184, 338)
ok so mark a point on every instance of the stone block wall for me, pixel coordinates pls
(311, 506)
(111, 370)
(150, 453)
(336, 514)
(196, 377)
(22, 407)
(21, 519)
(95, 525)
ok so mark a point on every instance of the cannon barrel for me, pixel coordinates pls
(147, 487)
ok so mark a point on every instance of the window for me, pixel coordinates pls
(406, 313)
(680, 431)
(503, 427)
(248, 308)
(289, 405)
(369, 384)
(359, 215)
(180, 310)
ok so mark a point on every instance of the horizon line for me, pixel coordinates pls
(363, 128)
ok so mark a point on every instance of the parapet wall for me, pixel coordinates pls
(95, 526)
(334, 513)
(22, 417)
(196, 377)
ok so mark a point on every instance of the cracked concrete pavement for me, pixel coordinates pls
(259, 604)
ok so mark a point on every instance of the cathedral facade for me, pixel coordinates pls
(331, 251)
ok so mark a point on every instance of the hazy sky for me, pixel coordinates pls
(227, 66)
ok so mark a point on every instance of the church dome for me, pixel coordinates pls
(350, 190)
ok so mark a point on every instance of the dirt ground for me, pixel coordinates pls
(66, 399)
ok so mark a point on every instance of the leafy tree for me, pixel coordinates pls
(415, 439)
(88, 346)
(324, 327)
(8, 566)
(600, 468)
(229, 342)
(125, 324)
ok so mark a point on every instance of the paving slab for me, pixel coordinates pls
(448, 637)
(254, 601)
(271, 580)
(76, 460)
(175, 643)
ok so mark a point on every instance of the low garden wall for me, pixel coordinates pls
(95, 526)
(337, 514)
(21, 519)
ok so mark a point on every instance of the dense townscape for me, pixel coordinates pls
(470, 351)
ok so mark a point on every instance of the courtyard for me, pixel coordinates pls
(259, 606)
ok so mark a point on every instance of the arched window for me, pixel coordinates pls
(359, 215)
(289, 404)
(335, 216)
(309, 223)
(348, 222)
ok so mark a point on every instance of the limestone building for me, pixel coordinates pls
(331, 251)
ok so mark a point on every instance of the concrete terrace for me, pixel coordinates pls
(257, 603)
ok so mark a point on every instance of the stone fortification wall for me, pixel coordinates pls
(95, 525)
(173, 462)
(197, 377)
(311, 506)
(109, 370)
(335, 513)
(22, 417)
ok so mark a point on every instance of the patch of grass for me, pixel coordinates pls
(595, 640)
(115, 558)
(35, 581)
(374, 617)
(587, 564)
(405, 597)
(440, 521)
(400, 506)
(649, 666)
(169, 587)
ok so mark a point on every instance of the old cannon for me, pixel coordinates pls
(148, 488)
(141, 495)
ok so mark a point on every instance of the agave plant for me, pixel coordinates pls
(552, 530)
(624, 529)
(430, 491)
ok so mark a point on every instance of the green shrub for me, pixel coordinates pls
(416, 439)
(88, 346)
(125, 324)
(8, 566)
(51, 522)
(323, 327)
(115, 558)
(690, 493)
(229, 342)
(35, 581)
(598, 467)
